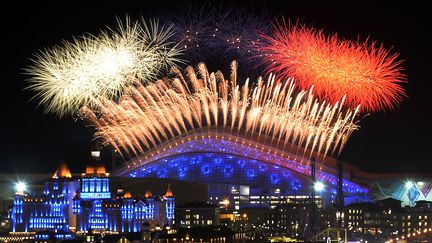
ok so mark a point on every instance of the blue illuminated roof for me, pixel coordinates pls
(219, 157)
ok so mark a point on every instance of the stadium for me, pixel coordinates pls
(240, 169)
(247, 173)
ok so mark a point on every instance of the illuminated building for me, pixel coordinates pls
(85, 204)
(52, 210)
(247, 173)
(291, 219)
(211, 233)
(195, 214)
(250, 173)
(385, 219)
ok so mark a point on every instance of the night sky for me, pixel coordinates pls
(392, 141)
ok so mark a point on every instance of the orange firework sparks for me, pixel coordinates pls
(368, 75)
(149, 115)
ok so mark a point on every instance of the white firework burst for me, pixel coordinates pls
(74, 74)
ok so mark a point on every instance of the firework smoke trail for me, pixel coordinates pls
(148, 115)
(366, 74)
(75, 74)
(210, 32)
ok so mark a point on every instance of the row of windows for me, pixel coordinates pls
(197, 222)
(419, 224)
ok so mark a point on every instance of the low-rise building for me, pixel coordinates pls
(193, 214)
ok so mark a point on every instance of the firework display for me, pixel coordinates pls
(308, 106)
(367, 74)
(76, 73)
(215, 34)
(148, 115)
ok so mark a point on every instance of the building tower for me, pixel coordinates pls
(169, 205)
(88, 201)
(16, 216)
(127, 212)
(150, 205)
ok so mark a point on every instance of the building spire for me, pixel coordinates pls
(62, 172)
(169, 192)
(148, 194)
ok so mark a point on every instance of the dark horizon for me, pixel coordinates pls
(393, 141)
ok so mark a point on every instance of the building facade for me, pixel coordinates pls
(197, 214)
(386, 219)
(86, 204)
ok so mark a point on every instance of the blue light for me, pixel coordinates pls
(208, 165)
(228, 170)
(274, 178)
(205, 169)
(95, 195)
(182, 171)
(250, 173)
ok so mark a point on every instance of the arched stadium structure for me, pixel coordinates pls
(243, 170)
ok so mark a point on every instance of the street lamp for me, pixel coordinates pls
(319, 186)
(226, 203)
(20, 187)
(409, 184)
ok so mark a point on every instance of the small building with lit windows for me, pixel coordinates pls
(194, 214)
(87, 205)
(290, 219)
(386, 218)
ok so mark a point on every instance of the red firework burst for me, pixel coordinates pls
(366, 74)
